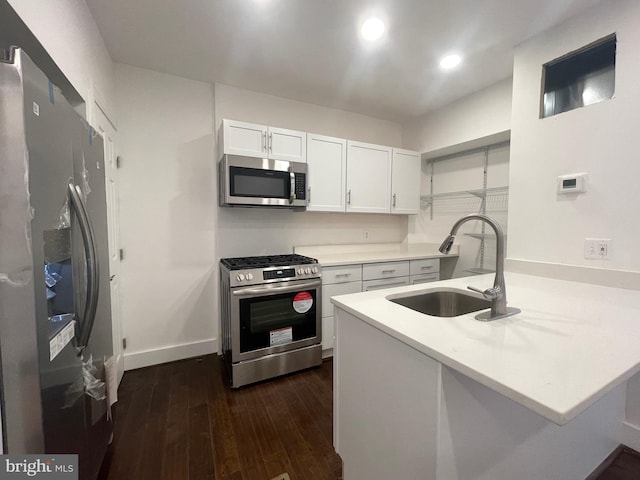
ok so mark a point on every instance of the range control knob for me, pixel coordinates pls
(314, 269)
(307, 270)
(300, 271)
(249, 276)
(240, 277)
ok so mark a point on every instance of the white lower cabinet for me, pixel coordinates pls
(424, 270)
(339, 280)
(377, 276)
(369, 285)
(430, 277)
(345, 279)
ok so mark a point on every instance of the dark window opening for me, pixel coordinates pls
(581, 78)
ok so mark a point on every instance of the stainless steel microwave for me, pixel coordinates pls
(262, 182)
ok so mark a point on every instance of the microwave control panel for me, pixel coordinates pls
(301, 191)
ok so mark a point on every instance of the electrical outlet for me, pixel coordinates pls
(365, 235)
(599, 248)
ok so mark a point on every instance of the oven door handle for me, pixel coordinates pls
(266, 290)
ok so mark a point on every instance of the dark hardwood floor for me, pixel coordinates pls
(181, 421)
(623, 464)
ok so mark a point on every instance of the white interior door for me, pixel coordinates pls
(108, 132)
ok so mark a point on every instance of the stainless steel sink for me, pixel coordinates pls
(441, 303)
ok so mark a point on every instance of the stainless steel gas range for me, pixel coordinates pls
(271, 316)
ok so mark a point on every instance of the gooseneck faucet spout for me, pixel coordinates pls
(497, 294)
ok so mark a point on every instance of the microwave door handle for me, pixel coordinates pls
(268, 289)
(292, 185)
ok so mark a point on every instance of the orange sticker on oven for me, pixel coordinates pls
(302, 302)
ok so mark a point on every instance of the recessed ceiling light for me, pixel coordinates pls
(450, 61)
(372, 29)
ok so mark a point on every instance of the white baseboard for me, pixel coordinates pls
(147, 358)
(631, 435)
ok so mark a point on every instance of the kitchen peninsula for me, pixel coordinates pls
(537, 395)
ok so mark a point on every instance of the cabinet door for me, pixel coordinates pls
(405, 182)
(289, 145)
(329, 291)
(368, 178)
(327, 160)
(240, 138)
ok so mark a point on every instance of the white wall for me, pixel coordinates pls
(599, 139)
(458, 126)
(482, 114)
(173, 231)
(68, 32)
(245, 105)
(244, 231)
(168, 205)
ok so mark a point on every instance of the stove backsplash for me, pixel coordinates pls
(249, 232)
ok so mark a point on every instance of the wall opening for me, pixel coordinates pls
(580, 78)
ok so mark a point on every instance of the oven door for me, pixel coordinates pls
(248, 181)
(275, 318)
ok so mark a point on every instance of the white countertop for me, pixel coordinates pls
(334, 255)
(571, 343)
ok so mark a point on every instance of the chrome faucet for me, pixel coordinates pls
(497, 294)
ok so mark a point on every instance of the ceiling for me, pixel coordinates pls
(310, 50)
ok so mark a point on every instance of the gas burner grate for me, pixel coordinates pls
(266, 261)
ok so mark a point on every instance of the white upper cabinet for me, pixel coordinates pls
(405, 182)
(344, 175)
(368, 178)
(287, 144)
(327, 160)
(241, 138)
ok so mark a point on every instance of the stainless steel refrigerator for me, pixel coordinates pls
(55, 317)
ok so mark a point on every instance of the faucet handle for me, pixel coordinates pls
(490, 293)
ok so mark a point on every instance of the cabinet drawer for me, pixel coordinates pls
(329, 291)
(425, 265)
(379, 284)
(341, 274)
(372, 271)
(426, 278)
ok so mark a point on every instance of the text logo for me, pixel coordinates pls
(51, 467)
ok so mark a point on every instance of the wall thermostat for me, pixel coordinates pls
(574, 183)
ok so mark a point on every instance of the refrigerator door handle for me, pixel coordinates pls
(93, 284)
